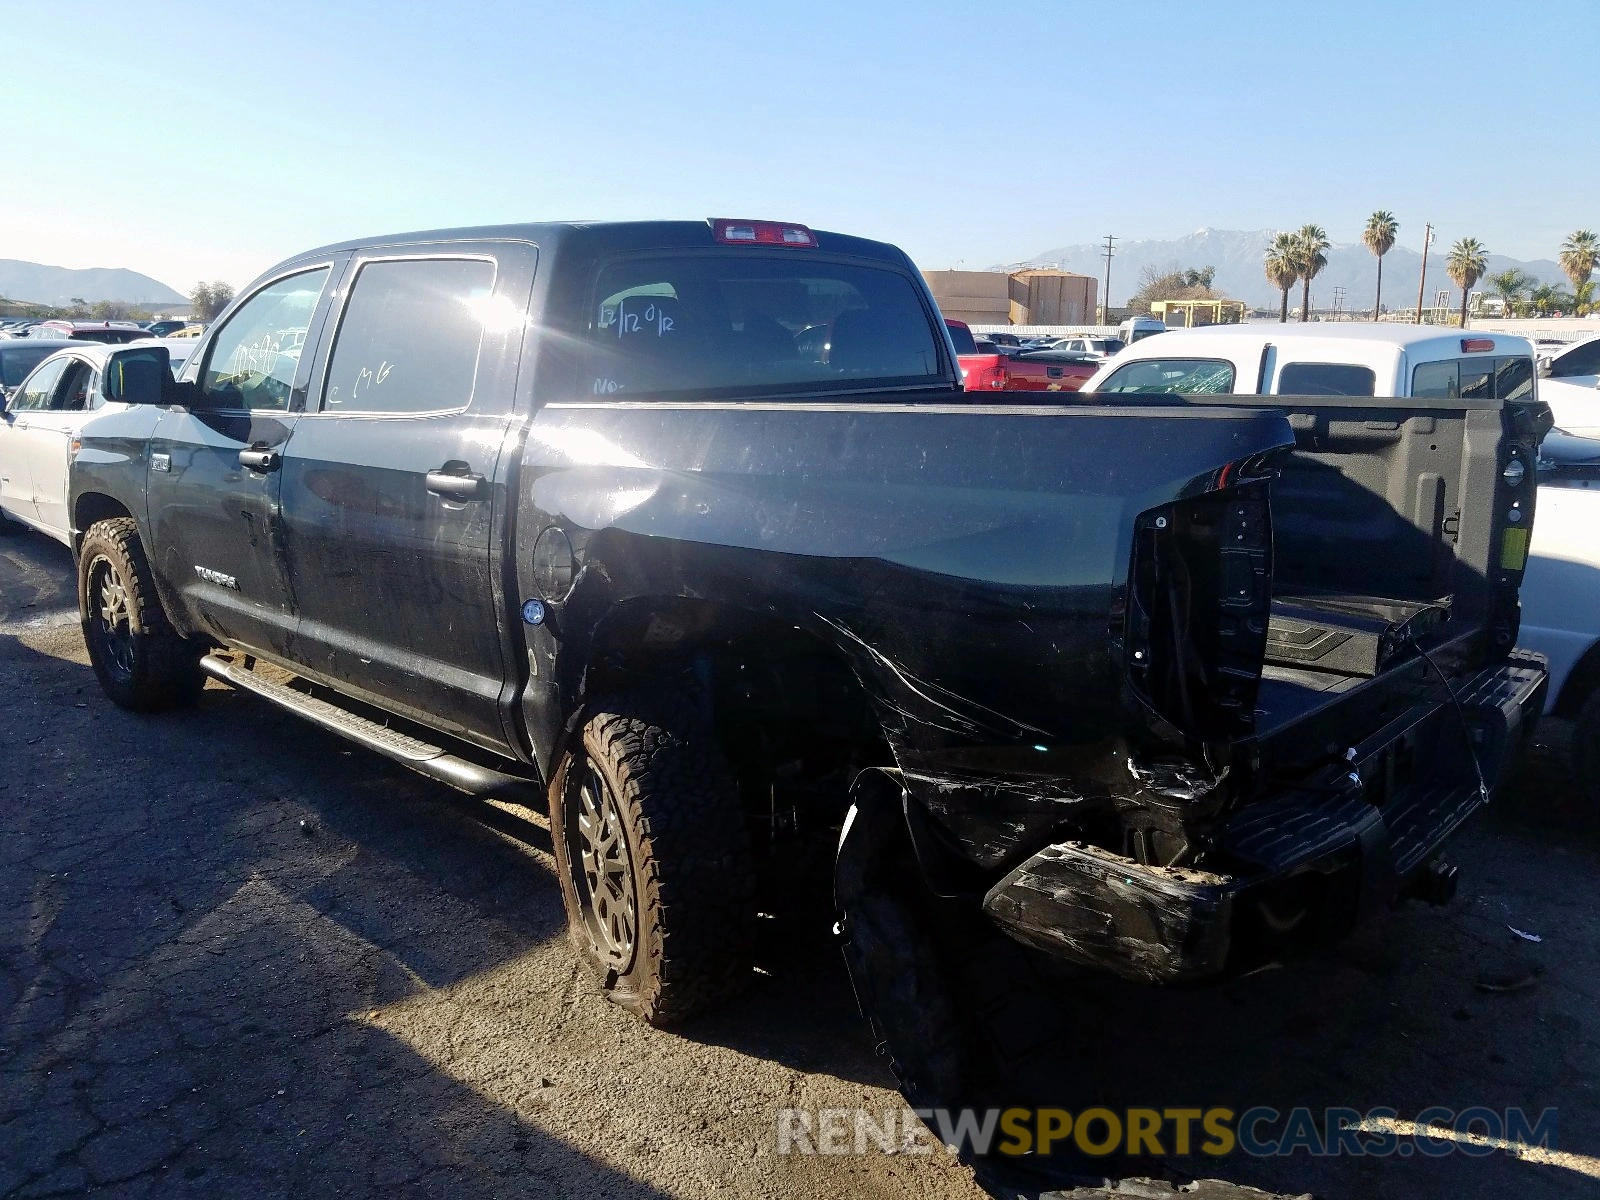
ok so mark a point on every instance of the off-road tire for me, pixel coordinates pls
(689, 853)
(1586, 750)
(159, 669)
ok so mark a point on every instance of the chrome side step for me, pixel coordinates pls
(422, 757)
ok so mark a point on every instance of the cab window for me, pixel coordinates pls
(1480, 378)
(74, 392)
(1172, 376)
(254, 357)
(1326, 379)
(754, 324)
(37, 391)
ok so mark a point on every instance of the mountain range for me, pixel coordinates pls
(38, 283)
(1237, 255)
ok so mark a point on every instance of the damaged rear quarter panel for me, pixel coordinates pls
(967, 560)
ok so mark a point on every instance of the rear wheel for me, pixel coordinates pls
(654, 858)
(141, 661)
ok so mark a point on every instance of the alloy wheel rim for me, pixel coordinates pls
(111, 616)
(602, 869)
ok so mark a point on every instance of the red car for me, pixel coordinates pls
(1027, 371)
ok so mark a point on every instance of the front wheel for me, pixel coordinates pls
(140, 660)
(654, 858)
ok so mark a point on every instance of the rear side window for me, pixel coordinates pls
(408, 341)
(1474, 379)
(1172, 376)
(755, 324)
(1326, 379)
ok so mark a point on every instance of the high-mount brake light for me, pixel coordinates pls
(1473, 345)
(761, 233)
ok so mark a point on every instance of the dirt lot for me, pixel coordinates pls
(243, 958)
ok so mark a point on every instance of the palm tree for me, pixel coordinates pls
(1310, 246)
(1281, 270)
(1510, 284)
(1467, 262)
(1578, 254)
(1379, 237)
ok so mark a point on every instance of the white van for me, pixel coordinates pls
(1347, 359)
(1136, 329)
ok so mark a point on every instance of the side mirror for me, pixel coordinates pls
(139, 376)
(1544, 367)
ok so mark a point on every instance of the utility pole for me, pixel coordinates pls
(1427, 236)
(1105, 300)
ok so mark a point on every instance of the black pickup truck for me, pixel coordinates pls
(690, 530)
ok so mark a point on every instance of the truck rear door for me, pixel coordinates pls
(390, 486)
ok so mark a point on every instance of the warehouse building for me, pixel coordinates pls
(1019, 298)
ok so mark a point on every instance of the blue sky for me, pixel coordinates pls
(209, 140)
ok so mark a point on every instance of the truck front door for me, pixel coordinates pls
(391, 499)
(214, 468)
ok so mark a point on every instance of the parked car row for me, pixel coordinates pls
(97, 331)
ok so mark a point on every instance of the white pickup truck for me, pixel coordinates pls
(1346, 359)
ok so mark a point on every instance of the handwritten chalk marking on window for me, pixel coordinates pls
(604, 387)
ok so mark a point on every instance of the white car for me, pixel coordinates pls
(41, 417)
(1356, 358)
(1561, 591)
(1090, 347)
(1570, 385)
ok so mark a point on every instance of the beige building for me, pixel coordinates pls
(1020, 298)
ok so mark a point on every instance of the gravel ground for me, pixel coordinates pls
(243, 958)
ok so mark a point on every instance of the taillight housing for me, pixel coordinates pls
(731, 232)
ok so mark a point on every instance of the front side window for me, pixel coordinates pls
(1172, 376)
(1327, 379)
(38, 389)
(255, 355)
(1474, 379)
(757, 324)
(408, 341)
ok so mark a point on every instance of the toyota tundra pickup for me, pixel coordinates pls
(690, 531)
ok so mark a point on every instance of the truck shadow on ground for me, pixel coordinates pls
(208, 910)
(243, 883)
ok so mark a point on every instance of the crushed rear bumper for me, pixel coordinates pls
(1301, 866)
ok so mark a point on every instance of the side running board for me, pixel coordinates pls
(422, 757)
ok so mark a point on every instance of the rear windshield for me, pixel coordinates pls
(737, 321)
(964, 341)
(17, 361)
(1167, 376)
(1479, 378)
(1327, 379)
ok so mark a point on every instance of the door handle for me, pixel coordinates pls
(456, 484)
(258, 459)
